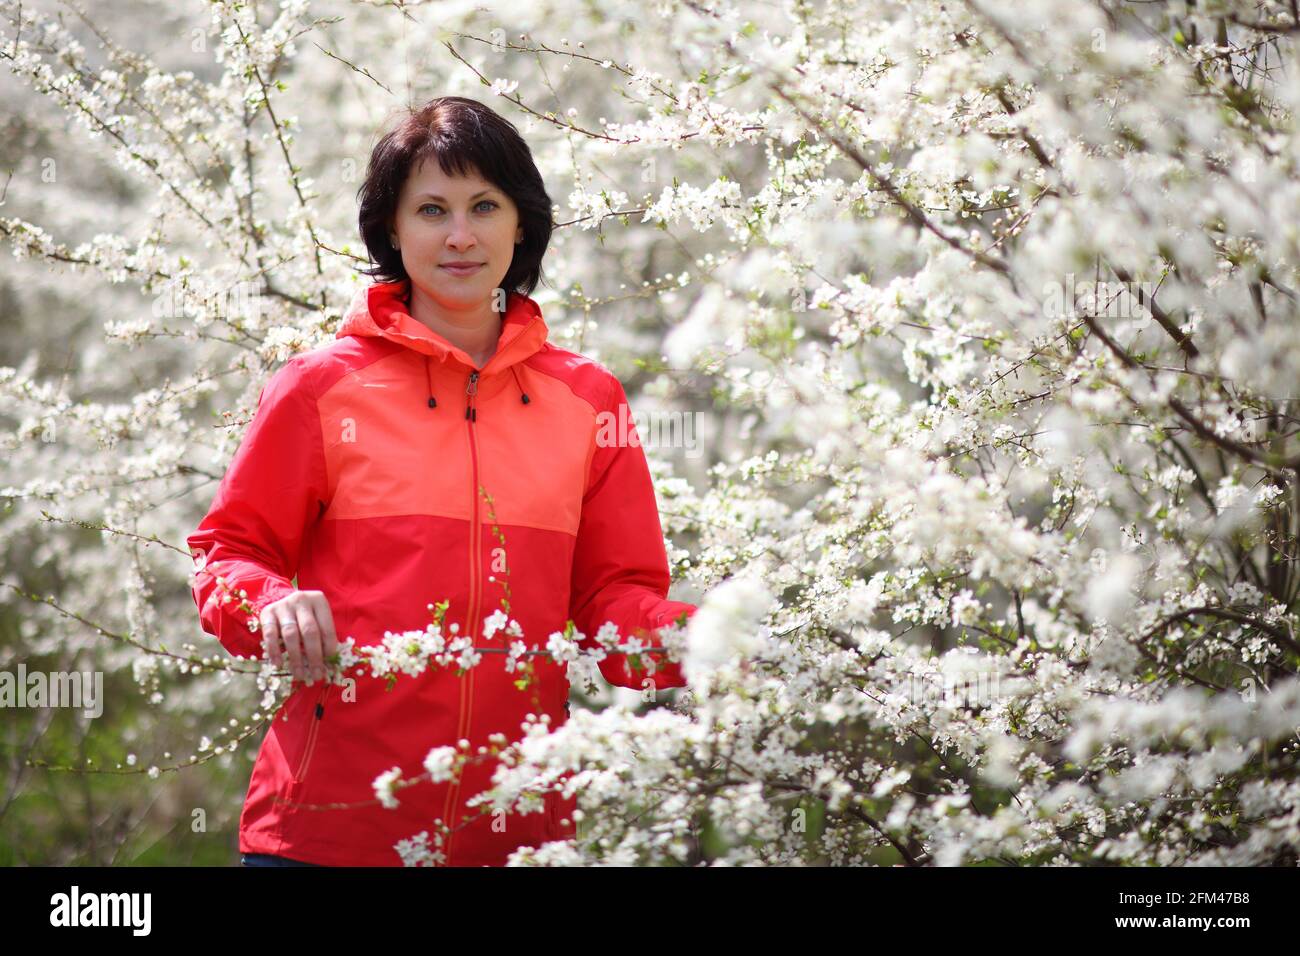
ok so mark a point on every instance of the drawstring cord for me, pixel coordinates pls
(433, 402)
(523, 396)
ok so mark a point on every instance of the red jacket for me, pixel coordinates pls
(358, 475)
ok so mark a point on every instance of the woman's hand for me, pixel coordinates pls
(301, 626)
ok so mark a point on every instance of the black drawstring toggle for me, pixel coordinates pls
(523, 396)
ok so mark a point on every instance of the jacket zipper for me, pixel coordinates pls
(467, 685)
(303, 764)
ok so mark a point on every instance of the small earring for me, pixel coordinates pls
(394, 244)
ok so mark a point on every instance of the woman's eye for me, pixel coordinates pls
(482, 202)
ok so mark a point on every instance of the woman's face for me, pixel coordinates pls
(441, 220)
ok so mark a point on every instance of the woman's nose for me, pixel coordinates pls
(461, 236)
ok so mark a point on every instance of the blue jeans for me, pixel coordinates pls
(266, 859)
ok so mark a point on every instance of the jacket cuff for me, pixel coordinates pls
(668, 674)
(236, 636)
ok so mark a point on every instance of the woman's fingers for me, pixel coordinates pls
(313, 665)
(301, 628)
(288, 621)
(272, 645)
(325, 620)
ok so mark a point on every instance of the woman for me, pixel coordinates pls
(439, 449)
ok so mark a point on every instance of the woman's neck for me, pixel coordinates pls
(473, 331)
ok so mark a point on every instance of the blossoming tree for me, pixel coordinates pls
(992, 308)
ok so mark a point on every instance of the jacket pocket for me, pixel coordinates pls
(313, 731)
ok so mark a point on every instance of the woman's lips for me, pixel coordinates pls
(462, 270)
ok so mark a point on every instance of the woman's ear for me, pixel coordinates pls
(519, 235)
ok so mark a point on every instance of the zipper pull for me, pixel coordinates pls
(471, 389)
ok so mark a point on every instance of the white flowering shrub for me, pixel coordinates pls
(992, 309)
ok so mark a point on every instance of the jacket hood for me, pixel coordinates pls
(381, 310)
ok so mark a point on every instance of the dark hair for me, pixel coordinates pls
(465, 137)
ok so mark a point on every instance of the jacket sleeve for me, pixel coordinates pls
(620, 567)
(265, 506)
